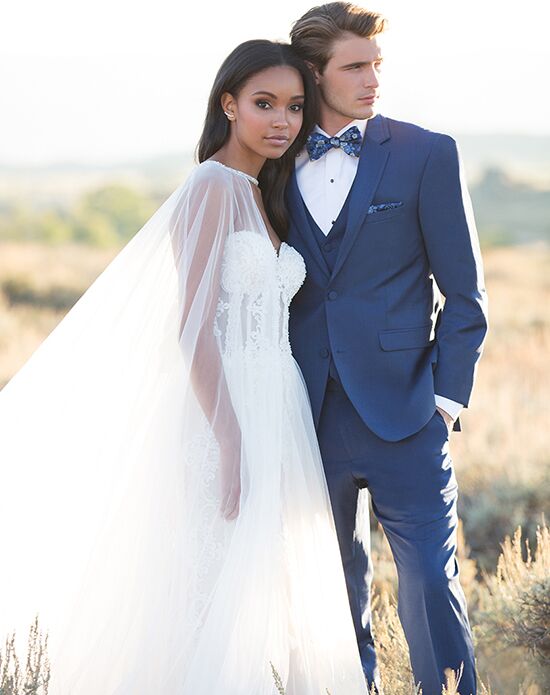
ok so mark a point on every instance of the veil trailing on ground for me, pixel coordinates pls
(98, 430)
(115, 438)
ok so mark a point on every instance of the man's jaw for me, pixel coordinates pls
(333, 117)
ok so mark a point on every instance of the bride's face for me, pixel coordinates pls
(268, 111)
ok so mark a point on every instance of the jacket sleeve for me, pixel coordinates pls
(452, 245)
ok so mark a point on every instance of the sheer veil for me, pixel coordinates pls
(111, 456)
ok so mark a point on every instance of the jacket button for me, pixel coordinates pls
(324, 352)
(332, 294)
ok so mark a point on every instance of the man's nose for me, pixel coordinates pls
(371, 78)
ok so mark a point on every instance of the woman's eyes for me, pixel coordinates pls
(266, 105)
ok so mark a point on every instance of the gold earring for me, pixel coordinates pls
(230, 115)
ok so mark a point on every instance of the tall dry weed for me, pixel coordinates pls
(515, 605)
(34, 677)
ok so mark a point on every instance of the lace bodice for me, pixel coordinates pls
(257, 286)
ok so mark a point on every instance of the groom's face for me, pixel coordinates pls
(349, 84)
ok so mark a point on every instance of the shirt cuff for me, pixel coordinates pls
(451, 407)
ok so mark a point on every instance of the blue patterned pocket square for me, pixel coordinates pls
(383, 206)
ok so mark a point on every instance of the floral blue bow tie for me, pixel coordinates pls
(318, 144)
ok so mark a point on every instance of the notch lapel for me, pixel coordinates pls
(296, 210)
(370, 168)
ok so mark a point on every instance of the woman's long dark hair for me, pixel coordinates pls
(245, 61)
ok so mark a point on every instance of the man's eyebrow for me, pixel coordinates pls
(363, 62)
(274, 96)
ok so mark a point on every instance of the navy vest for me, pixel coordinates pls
(330, 245)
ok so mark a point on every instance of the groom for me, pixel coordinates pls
(377, 207)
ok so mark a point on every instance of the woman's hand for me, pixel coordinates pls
(230, 462)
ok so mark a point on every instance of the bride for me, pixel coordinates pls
(163, 502)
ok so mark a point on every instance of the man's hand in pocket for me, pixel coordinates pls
(448, 419)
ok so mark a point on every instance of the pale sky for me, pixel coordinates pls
(122, 79)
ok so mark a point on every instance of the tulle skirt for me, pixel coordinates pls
(153, 591)
(109, 507)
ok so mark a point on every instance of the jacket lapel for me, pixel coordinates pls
(296, 208)
(370, 168)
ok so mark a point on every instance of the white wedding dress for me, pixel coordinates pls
(110, 472)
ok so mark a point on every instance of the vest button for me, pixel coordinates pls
(332, 294)
(328, 247)
(324, 352)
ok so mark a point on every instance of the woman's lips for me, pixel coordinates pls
(278, 140)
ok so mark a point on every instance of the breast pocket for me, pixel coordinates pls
(383, 215)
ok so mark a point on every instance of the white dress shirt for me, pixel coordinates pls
(324, 185)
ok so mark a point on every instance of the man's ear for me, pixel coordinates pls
(314, 70)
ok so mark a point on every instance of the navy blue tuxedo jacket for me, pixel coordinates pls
(394, 345)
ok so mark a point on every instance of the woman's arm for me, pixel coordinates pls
(199, 228)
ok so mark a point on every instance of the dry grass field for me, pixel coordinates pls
(501, 457)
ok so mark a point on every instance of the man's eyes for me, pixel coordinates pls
(377, 65)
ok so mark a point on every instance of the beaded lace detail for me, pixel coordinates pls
(251, 325)
(257, 287)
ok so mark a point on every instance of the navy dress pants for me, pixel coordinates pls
(414, 495)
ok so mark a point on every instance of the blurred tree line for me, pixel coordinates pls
(510, 212)
(507, 212)
(105, 217)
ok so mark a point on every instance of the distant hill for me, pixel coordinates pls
(62, 183)
(525, 157)
(510, 212)
(509, 181)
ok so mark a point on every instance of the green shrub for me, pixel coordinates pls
(20, 290)
(106, 217)
(110, 215)
(492, 513)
